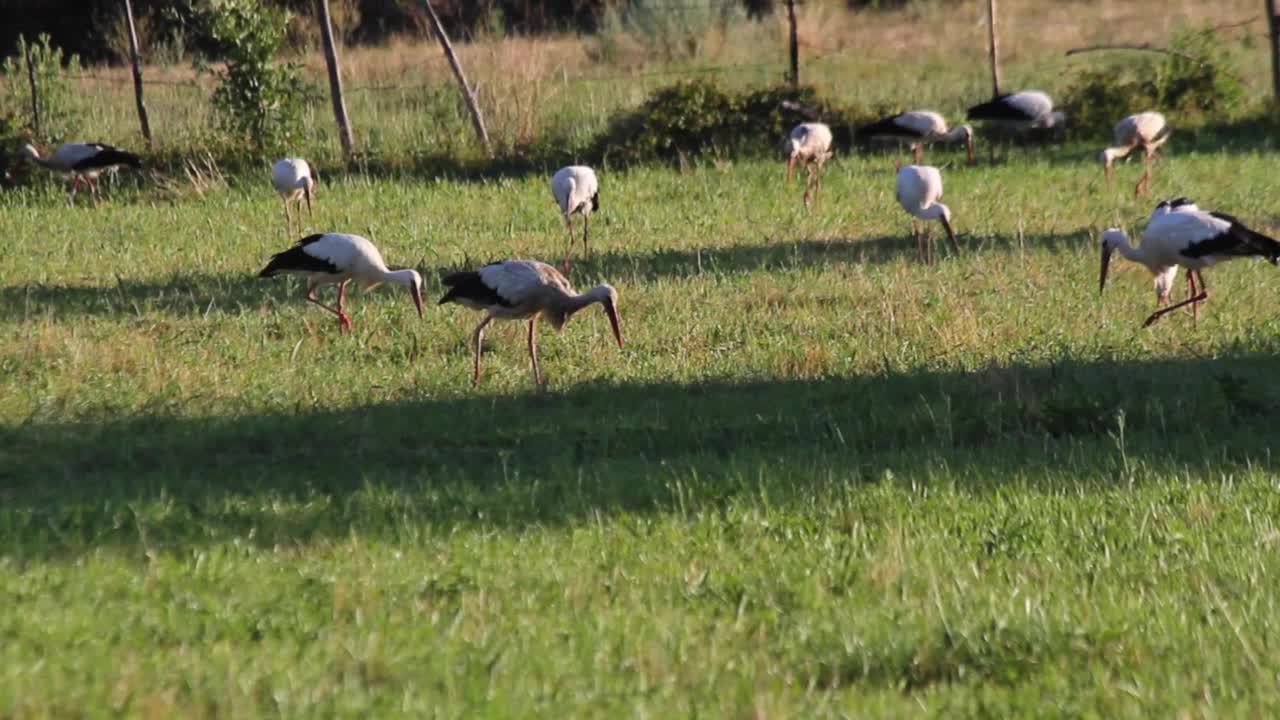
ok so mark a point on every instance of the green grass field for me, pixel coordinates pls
(820, 480)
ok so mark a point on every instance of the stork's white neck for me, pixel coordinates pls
(405, 277)
(933, 212)
(956, 134)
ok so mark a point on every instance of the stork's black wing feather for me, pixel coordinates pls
(885, 127)
(468, 285)
(295, 259)
(995, 109)
(108, 156)
(1248, 241)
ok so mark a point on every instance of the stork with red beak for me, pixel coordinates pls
(809, 144)
(525, 290)
(337, 259)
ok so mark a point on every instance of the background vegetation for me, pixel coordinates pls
(820, 480)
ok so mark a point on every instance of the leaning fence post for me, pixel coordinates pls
(135, 59)
(467, 94)
(335, 79)
(35, 91)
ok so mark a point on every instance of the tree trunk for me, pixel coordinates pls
(795, 44)
(476, 119)
(995, 49)
(135, 59)
(1273, 23)
(335, 79)
(35, 92)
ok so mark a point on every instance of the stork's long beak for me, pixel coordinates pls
(1102, 274)
(973, 159)
(951, 235)
(416, 292)
(612, 312)
(791, 163)
(306, 191)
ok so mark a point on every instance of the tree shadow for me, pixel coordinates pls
(557, 457)
(180, 294)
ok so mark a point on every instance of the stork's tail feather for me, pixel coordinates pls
(113, 156)
(881, 127)
(458, 283)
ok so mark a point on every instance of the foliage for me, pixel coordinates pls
(699, 117)
(1196, 77)
(678, 31)
(56, 101)
(259, 100)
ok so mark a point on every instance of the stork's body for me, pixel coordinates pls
(809, 144)
(919, 190)
(919, 127)
(1185, 236)
(293, 181)
(83, 162)
(1022, 110)
(1145, 130)
(524, 290)
(337, 259)
(577, 191)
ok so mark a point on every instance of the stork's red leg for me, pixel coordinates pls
(917, 152)
(564, 264)
(533, 349)
(1201, 296)
(478, 337)
(1191, 291)
(311, 298)
(344, 320)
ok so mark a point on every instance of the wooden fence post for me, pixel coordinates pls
(467, 95)
(335, 79)
(35, 91)
(1273, 24)
(995, 49)
(795, 44)
(135, 59)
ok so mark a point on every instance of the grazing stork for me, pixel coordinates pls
(810, 144)
(1146, 130)
(576, 190)
(919, 187)
(1182, 235)
(83, 162)
(919, 127)
(524, 290)
(336, 259)
(1022, 110)
(293, 181)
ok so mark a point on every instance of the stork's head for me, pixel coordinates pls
(966, 134)
(608, 297)
(1055, 119)
(1106, 157)
(412, 280)
(1112, 238)
(792, 150)
(29, 151)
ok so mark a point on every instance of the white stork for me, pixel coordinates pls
(919, 127)
(525, 290)
(83, 162)
(293, 181)
(810, 144)
(1185, 236)
(1146, 130)
(336, 259)
(576, 190)
(1022, 110)
(919, 188)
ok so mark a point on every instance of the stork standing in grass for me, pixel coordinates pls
(919, 188)
(337, 259)
(83, 162)
(1145, 130)
(576, 190)
(525, 290)
(809, 144)
(293, 181)
(1185, 236)
(919, 127)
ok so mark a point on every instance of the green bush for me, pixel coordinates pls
(59, 116)
(699, 117)
(258, 101)
(1197, 78)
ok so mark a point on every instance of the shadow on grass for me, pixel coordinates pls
(555, 457)
(205, 294)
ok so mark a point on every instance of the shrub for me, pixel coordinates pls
(55, 97)
(258, 101)
(1195, 78)
(699, 117)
